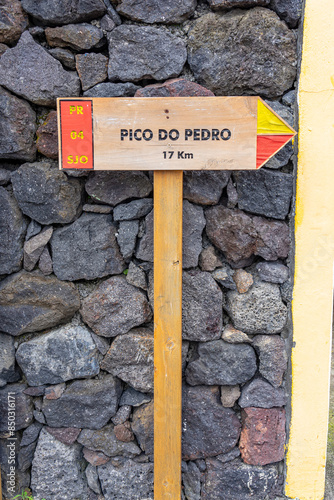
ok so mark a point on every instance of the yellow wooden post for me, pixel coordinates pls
(167, 333)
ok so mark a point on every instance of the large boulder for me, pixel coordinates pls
(86, 404)
(31, 302)
(12, 232)
(143, 52)
(260, 310)
(18, 126)
(86, 249)
(56, 472)
(63, 354)
(157, 11)
(58, 12)
(253, 44)
(202, 307)
(31, 72)
(115, 307)
(222, 363)
(45, 194)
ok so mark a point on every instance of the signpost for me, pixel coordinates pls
(168, 135)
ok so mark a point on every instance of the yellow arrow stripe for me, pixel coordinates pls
(268, 123)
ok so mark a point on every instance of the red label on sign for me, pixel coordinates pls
(76, 134)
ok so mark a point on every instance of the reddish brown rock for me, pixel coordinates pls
(123, 432)
(95, 458)
(240, 236)
(13, 21)
(263, 436)
(54, 391)
(208, 259)
(234, 336)
(66, 435)
(47, 136)
(243, 280)
(177, 87)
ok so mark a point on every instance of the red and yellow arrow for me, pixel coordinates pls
(273, 133)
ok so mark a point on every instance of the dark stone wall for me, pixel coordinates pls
(76, 256)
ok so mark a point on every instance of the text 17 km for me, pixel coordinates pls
(181, 155)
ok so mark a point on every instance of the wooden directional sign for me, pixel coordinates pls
(168, 135)
(202, 133)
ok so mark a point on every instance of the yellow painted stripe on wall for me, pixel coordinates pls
(268, 123)
(314, 234)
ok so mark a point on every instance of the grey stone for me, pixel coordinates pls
(105, 440)
(56, 471)
(4, 176)
(193, 225)
(233, 336)
(230, 455)
(127, 237)
(102, 343)
(31, 302)
(130, 358)
(161, 11)
(114, 187)
(39, 417)
(36, 31)
(54, 391)
(206, 187)
(229, 394)
(92, 69)
(115, 307)
(224, 276)
(176, 87)
(13, 21)
(127, 480)
(208, 259)
(12, 231)
(134, 398)
(45, 262)
(254, 44)
(260, 394)
(55, 12)
(33, 229)
(122, 415)
(92, 240)
(281, 158)
(273, 358)
(35, 391)
(34, 247)
(12, 484)
(253, 482)
(289, 98)
(274, 272)
(260, 310)
(139, 52)
(12, 398)
(85, 404)
(228, 4)
(209, 429)
(265, 193)
(142, 427)
(31, 72)
(76, 36)
(191, 479)
(18, 127)
(107, 24)
(93, 479)
(30, 434)
(202, 303)
(65, 353)
(7, 360)
(289, 10)
(41, 184)
(222, 363)
(232, 194)
(25, 456)
(109, 89)
(112, 13)
(133, 210)
(136, 276)
(64, 56)
(97, 209)
(240, 236)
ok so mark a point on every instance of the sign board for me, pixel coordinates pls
(172, 133)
